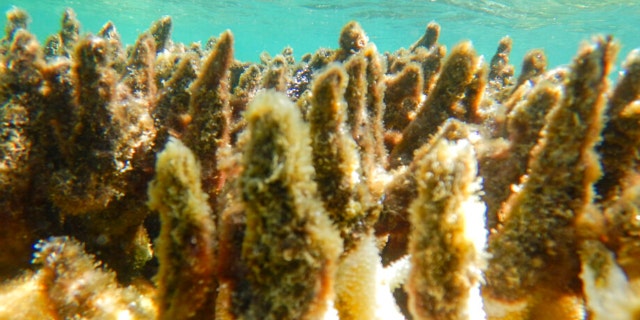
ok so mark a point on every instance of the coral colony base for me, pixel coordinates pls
(171, 181)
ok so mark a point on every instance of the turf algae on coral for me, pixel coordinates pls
(448, 236)
(290, 247)
(401, 191)
(352, 39)
(337, 186)
(276, 75)
(620, 135)
(70, 284)
(402, 98)
(557, 190)
(430, 37)
(457, 73)
(608, 293)
(338, 172)
(533, 64)
(501, 70)
(19, 76)
(186, 244)
(208, 131)
(503, 169)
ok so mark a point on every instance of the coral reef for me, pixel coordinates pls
(170, 181)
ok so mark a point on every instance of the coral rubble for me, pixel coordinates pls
(170, 181)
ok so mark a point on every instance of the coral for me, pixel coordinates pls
(402, 98)
(208, 128)
(501, 70)
(335, 159)
(352, 39)
(363, 285)
(457, 73)
(290, 247)
(70, 284)
(430, 37)
(503, 167)
(558, 189)
(607, 289)
(533, 64)
(185, 246)
(171, 181)
(401, 191)
(448, 235)
(620, 135)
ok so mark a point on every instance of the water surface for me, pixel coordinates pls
(557, 26)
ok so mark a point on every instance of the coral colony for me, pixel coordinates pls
(171, 181)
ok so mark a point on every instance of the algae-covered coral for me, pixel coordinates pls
(170, 181)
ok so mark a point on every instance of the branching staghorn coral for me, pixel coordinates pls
(608, 293)
(448, 237)
(620, 135)
(71, 284)
(526, 269)
(185, 246)
(336, 161)
(457, 73)
(208, 129)
(172, 181)
(290, 247)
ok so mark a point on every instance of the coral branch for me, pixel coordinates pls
(335, 158)
(457, 73)
(71, 284)
(533, 257)
(290, 247)
(620, 135)
(430, 37)
(185, 247)
(209, 109)
(500, 69)
(448, 234)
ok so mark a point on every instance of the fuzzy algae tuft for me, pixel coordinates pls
(290, 247)
(186, 244)
(164, 180)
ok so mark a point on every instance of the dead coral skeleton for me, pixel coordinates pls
(347, 185)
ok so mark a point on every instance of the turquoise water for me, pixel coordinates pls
(557, 26)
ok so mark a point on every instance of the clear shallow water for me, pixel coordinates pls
(557, 26)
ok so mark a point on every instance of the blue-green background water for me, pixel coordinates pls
(557, 26)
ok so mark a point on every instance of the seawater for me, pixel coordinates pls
(557, 26)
